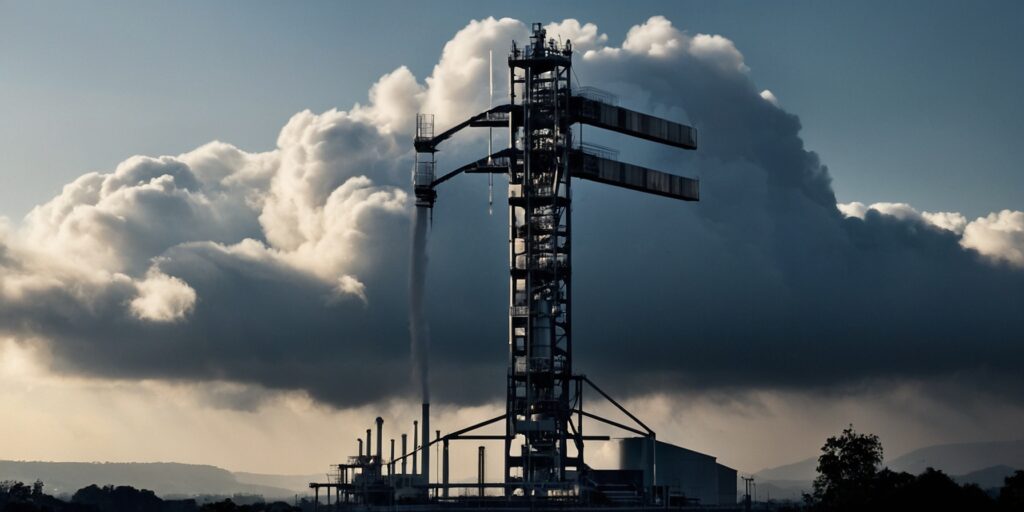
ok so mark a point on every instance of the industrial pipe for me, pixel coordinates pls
(415, 446)
(404, 451)
(369, 444)
(426, 442)
(391, 465)
(360, 447)
(380, 443)
(444, 467)
(480, 470)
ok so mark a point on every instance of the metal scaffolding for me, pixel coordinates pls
(543, 420)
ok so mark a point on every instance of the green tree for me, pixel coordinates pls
(846, 471)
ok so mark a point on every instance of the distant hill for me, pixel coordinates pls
(297, 484)
(983, 463)
(961, 458)
(806, 469)
(988, 478)
(163, 478)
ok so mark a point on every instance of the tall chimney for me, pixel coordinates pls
(415, 446)
(480, 470)
(391, 463)
(380, 443)
(404, 451)
(426, 442)
(369, 444)
(360, 447)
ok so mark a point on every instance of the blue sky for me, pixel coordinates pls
(910, 101)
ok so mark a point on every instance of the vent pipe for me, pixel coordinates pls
(415, 446)
(380, 443)
(391, 465)
(405, 450)
(480, 470)
(426, 442)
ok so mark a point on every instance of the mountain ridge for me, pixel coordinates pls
(163, 478)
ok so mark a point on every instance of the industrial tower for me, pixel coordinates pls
(544, 410)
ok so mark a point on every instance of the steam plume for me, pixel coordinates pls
(418, 329)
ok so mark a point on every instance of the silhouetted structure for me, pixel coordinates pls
(544, 440)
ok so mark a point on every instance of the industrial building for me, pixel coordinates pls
(542, 428)
(685, 475)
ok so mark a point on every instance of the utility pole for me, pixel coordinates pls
(748, 484)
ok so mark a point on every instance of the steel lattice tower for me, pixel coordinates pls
(544, 410)
(540, 285)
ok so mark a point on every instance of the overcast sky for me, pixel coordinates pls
(858, 251)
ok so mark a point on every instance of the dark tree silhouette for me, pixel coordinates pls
(934, 490)
(1011, 496)
(118, 499)
(230, 506)
(849, 480)
(846, 471)
(892, 490)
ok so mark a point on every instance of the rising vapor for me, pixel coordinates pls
(419, 329)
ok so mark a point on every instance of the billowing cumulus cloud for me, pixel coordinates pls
(216, 264)
(998, 236)
(163, 298)
(287, 269)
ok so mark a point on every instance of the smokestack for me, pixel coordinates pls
(369, 443)
(360, 447)
(480, 469)
(415, 445)
(426, 442)
(404, 451)
(444, 465)
(391, 465)
(380, 442)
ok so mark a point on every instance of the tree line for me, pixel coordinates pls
(20, 497)
(850, 478)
